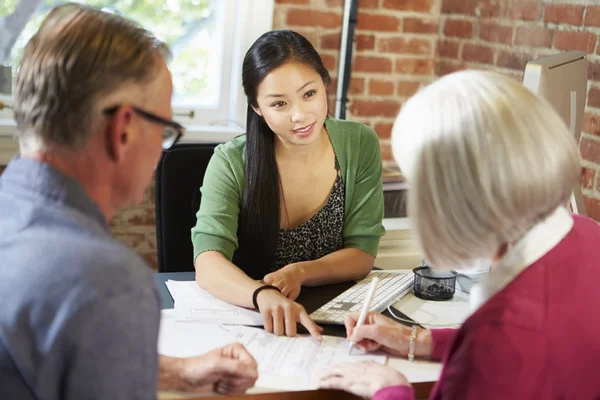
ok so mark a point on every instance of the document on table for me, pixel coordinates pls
(299, 357)
(188, 339)
(193, 303)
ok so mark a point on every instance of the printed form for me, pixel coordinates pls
(193, 303)
(300, 356)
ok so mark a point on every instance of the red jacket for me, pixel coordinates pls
(536, 338)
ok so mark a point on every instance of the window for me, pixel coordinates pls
(208, 39)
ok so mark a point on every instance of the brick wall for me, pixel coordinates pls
(502, 35)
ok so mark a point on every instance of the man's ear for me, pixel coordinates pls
(117, 133)
(257, 110)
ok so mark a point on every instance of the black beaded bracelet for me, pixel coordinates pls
(257, 291)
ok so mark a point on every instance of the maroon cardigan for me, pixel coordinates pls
(537, 338)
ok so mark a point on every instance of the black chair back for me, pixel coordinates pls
(179, 176)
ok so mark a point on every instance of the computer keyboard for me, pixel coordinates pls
(392, 286)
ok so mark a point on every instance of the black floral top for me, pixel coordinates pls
(317, 237)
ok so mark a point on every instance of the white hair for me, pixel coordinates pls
(485, 159)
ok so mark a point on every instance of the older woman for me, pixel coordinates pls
(491, 168)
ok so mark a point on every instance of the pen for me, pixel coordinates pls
(366, 306)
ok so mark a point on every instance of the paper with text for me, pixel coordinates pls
(300, 356)
(193, 303)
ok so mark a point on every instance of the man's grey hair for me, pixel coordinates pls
(78, 55)
(485, 160)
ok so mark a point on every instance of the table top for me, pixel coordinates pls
(311, 298)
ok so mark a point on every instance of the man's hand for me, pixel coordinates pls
(287, 279)
(227, 370)
(379, 332)
(363, 378)
(281, 314)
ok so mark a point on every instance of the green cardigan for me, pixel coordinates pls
(357, 149)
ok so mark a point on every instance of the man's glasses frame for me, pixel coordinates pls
(172, 130)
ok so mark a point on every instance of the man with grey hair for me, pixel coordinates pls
(80, 313)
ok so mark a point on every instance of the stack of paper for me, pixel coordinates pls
(193, 303)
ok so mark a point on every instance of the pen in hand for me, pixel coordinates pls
(366, 306)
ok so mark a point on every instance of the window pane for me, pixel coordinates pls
(187, 26)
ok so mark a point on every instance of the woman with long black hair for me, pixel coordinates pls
(296, 201)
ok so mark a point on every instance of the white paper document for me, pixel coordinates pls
(188, 339)
(300, 357)
(193, 303)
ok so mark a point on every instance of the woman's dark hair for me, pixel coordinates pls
(259, 216)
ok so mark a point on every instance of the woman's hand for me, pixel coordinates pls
(288, 280)
(226, 370)
(379, 332)
(281, 314)
(363, 378)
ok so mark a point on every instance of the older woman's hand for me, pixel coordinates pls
(363, 378)
(379, 332)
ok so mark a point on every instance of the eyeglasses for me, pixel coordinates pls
(172, 131)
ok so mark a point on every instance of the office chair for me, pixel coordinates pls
(179, 176)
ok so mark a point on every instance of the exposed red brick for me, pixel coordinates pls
(300, 17)
(534, 36)
(466, 7)
(378, 22)
(357, 86)
(458, 28)
(496, 33)
(384, 130)
(587, 178)
(380, 87)
(369, 4)
(564, 14)
(526, 10)
(414, 67)
(365, 42)
(512, 60)
(574, 40)
(592, 206)
(375, 108)
(372, 64)
(591, 124)
(408, 5)
(407, 88)
(477, 53)
(594, 71)
(331, 42)
(448, 48)
(590, 149)
(594, 97)
(592, 16)
(419, 25)
(490, 8)
(405, 45)
(329, 61)
(447, 67)
(386, 152)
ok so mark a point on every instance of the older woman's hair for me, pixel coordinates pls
(485, 159)
(78, 55)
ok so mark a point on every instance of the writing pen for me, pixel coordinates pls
(365, 309)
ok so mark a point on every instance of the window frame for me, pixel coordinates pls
(250, 20)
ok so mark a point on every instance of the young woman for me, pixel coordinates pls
(296, 201)
(491, 168)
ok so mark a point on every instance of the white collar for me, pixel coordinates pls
(538, 241)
